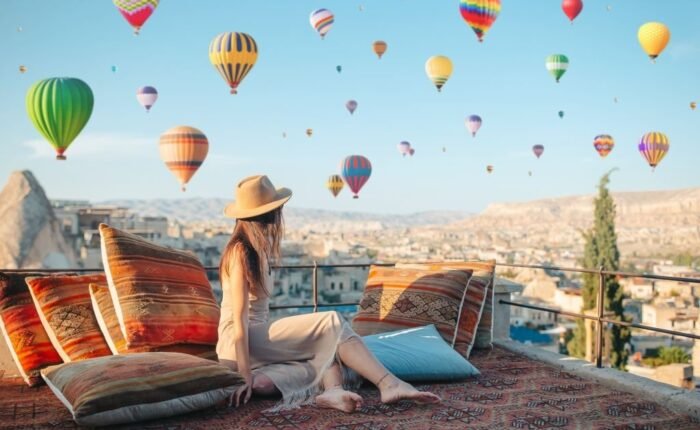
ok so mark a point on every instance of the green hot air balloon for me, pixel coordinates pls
(59, 108)
(556, 65)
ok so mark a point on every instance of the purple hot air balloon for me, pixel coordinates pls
(351, 105)
(538, 150)
(473, 123)
(404, 148)
(147, 96)
(355, 170)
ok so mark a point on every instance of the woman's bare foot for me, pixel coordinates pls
(337, 398)
(395, 389)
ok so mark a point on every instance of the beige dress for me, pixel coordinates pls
(294, 352)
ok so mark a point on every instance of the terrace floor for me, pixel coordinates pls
(513, 392)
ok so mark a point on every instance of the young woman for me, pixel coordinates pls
(302, 357)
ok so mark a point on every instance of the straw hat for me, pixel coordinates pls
(255, 195)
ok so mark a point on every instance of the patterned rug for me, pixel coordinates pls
(513, 392)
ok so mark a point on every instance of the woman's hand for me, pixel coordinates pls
(244, 392)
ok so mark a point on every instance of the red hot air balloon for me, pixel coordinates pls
(572, 8)
(355, 170)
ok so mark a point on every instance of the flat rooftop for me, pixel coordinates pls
(513, 392)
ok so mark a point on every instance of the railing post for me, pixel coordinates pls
(601, 313)
(314, 286)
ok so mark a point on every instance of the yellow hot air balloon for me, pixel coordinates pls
(309, 132)
(438, 68)
(379, 48)
(233, 55)
(335, 184)
(183, 149)
(653, 36)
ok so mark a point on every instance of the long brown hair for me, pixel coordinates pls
(256, 240)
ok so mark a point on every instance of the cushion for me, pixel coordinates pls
(128, 388)
(161, 296)
(26, 337)
(66, 313)
(396, 299)
(109, 325)
(419, 354)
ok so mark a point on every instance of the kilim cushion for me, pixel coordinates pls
(26, 337)
(109, 324)
(129, 388)
(161, 295)
(66, 312)
(396, 299)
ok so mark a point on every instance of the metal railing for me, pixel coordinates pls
(599, 318)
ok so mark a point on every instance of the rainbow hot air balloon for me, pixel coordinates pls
(136, 12)
(489, 168)
(653, 36)
(557, 64)
(480, 15)
(572, 8)
(404, 148)
(355, 170)
(538, 150)
(693, 105)
(603, 143)
(59, 108)
(233, 55)
(183, 150)
(147, 96)
(351, 105)
(473, 124)
(654, 146)
(438, 68)
(335, 184)
(561, 114)
(379, 48)
(321, 20)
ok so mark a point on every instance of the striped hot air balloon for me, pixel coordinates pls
(379, 48)
(603, 143)
(335, 184)
(438, 68)
(147, 96)
(321, 20)
(480, 15)
(233, 55)
(557, 64)
(183, 149)
(654, 146)
(538, 150)
(473, 124)
(136, 12)
(355, 170)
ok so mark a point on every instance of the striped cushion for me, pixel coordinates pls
(397, 298)
(135, 387)
(161, 295)
(26, 337)
(109, 324)
(66, 313)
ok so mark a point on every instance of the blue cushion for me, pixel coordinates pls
(419, 354)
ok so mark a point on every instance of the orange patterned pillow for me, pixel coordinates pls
(397, 298)
(21, 327)
(161, 295)
(66, 312)
(109, 324)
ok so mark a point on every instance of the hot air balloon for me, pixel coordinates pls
(411, 152)
(404, 148)
(309, 132)
(19, 29)
(693, 105)
(557, 64)
(615, 99)
(321, 20)
(480, 15)
(473, 123)
(136, 12)
(147, 96)
(183, 150)
(355, 170)
(22, 69)
(489, 168)
(379, 48)
(284, 135)
(339, 68)
(572, 8)
(335, 184)
(653, 36)
(438, 68)
(351, 105)
(538, 150)
(361, 8)
(654, 146)
(233, 55)
(561, 114)
(444, 149)
(114, 68)
(603, 143)
(529, 173)
(59, 109)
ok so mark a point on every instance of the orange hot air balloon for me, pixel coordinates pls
(183, 150)
(379, 48)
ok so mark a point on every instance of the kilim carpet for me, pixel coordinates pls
(513, 392)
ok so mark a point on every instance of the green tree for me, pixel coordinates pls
(601, 251)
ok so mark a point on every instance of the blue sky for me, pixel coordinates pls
(294, 86)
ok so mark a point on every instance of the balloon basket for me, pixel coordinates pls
(61, 157)
(234, 91)
(355, 196)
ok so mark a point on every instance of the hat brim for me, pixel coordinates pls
(233, 211)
